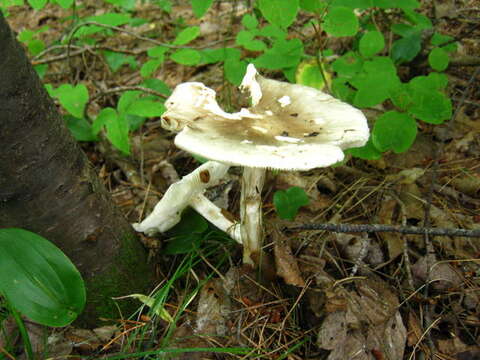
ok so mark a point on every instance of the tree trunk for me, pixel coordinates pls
(48, 186)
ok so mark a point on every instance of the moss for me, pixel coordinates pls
(128, 273)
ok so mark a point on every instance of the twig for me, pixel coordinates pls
(373, 228)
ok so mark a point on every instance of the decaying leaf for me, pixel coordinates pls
(285, 262)
(369, 324)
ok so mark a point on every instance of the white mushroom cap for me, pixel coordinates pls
(289, 126)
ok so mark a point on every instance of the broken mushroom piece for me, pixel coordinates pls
(288, 127)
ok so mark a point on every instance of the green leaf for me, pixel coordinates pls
(157, 85)
(73, 98)
(429, 104)
(165, 5)
(187, 234)
(80, 128)
(37, 4)
(312, 5)
(157, 52)
(38, 279)
(116, 60)
(126, 99)
(308, 73)
(104, 116)
(348, 65)
(287, 202)
(342, 90)
(200, 7)
(421, 21)
(150, 67)
(212, 56)
(281, 13)
(146, 108)
(378, 76)
(187, 35)
(440, 39)
(250, 22)
(352, 4)
(247, 40)
(117, 132)
(340, 21)
(283, 54)
(406, 49)
(272, 31)
(111, 19)
(394, 131)
(366, 152)
(66, 4)
(186, 57)
(371, 43)
(404, 30)
(438, 59)
(234, 70)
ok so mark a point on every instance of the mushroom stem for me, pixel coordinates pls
(214, 214)
(251, 213)
(167, 213)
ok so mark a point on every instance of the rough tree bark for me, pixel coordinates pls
(48, 186)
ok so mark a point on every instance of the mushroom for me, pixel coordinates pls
(288, 127)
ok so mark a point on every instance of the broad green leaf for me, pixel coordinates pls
(247, 39)
(404, 30)
(41, 70)
(283, 54)
(366, 152)
(157, 52)
(200, 7)
(429, 104)
(150, 67)
(438, 59)
(440, 39)
(186, 57)
(66, 4)
(187, 234)
(308, 73)
(281, 13)
(37, 4)
(406, 49)
(187, 35)
(116, 60)
(73, 98)
(421, 21)
(401, 4)
(371, 43)
(234, 70)
(126, 99)
(401, 96)
(352, 4)
(80, 128)
(340, 21)
(38, 279)
(111, 19)
(287, 202)
(342, 90)
(146, 108)
(249, 21)
(212, 56)
(157, 85)
(394, 131)
(348, 65)
(165, 5)
(105, 116)
(312, 5)
(117, 132)
(128, 5)
(272, 31)
(378, 76)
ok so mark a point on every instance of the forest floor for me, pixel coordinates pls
(319, 294)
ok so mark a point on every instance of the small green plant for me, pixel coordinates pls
(287, 202)
(38, 281)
